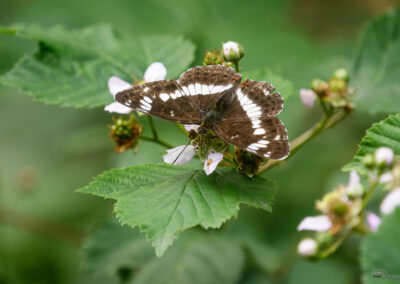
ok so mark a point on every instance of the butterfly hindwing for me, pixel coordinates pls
(249, 122)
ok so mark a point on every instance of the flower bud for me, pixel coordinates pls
(368, 160)
(320, 87)
(125, 133)
(307, 97)
(373, 221)
(337, 85)
(213, 58)
(341, 74)
(232, 51)
(307, 247)
(384, 156)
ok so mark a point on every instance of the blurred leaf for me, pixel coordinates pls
(380, 250)
(284, 86)
(197, 258)
(384, 133)
(377, 65)
(164, 200)
(71, 68)
(263, 255)
(113, 247)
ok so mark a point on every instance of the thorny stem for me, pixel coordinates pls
(327, 122)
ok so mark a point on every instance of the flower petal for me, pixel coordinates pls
(190, 127)
(117, 108)
(155, 72)
(116, 85)
(212, 161)
(307, 247)
(384, 155)
(307, 97)
(354, 187)
(319, 223)
(373, 221)
(185, 155)
(390, 202)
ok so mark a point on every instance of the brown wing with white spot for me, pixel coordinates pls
(249, 122)
(164, 99)
(205, 84)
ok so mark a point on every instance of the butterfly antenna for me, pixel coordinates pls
(176, 159)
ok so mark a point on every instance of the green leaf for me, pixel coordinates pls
(284, 86)
(384, 133)
(164, 200)
(380, 251)
(377, 65)
(197, 258)
(71, 68)
(112, 248)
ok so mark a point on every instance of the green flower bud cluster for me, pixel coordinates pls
(335, 92)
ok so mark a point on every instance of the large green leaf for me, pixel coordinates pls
(71, 68)
(164, 200)
(197, 258)
(380, 251)
(377, 65)
(384, 133)
(113, 248)
(284, 86)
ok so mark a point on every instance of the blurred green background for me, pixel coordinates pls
(46, 152)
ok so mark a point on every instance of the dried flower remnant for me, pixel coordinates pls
(125, 133)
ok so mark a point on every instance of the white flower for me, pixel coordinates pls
(190, 127)
(385, 178)
(307, 97)
(156, 71)
(307, 247)
(185, 153)
(373, 221)
(212, 161)
(384, 155)
(319, 223)
(116, 85)
(354, 188)
(390, 202)
(232, 50)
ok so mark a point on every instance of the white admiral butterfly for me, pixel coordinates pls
(213, 96)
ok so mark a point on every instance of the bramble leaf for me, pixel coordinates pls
(380, 252)
(71, 68)
(384, 133)
(164, 200)
(284, 86)
(112, 248)
(377, 65)
(196, 258)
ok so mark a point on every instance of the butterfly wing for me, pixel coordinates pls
(206, 84)
(249, 122)
(185, 101)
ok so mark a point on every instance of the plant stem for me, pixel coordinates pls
(158, 141)
(152, 127)
(327, 122)
(335, 245)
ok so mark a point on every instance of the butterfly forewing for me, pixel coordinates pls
(249, 122)
(164, 99)
(207, 83)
